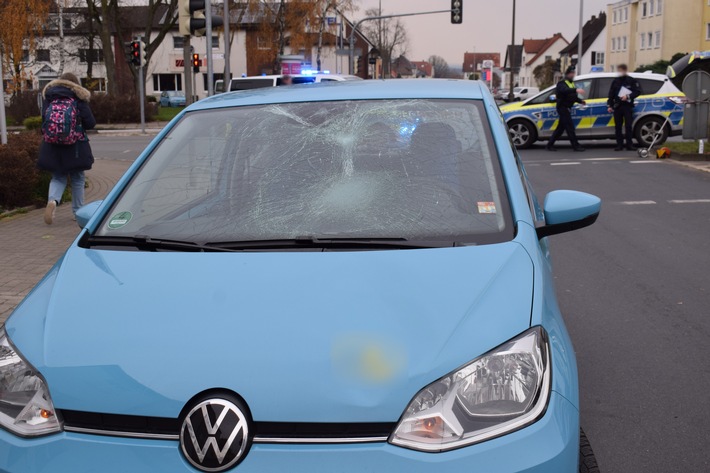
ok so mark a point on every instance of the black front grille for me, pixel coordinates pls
(263, 430)
(297, 430)
(120, 423)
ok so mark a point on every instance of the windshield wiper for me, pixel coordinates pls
(334, 243)
(146, 243)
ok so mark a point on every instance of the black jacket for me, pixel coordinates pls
(63, 159)
(566, 95)
(623, 81)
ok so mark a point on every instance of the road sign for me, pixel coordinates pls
(488, 64)
(346, 52)
(696, 86)
(696, 120)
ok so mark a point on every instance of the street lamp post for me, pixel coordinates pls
(3, 125)
(580, 38)
(511, 94)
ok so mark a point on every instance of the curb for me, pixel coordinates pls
(17, 211)
(697, 165)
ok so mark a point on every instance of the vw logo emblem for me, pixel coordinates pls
(214, 435)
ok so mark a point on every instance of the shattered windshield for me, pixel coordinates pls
(423, 170)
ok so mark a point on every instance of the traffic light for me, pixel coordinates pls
(196, 62)
(192, 17)
(456, 12)
(137, 53)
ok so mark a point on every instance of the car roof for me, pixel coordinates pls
(348, 90)
(636, 75)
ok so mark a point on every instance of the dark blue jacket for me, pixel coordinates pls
(566, 96)
(623, 81)
(63, 159)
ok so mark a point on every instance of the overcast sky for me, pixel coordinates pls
(486, 25)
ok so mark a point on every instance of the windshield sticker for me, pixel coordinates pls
(119, 220)
(486, 207)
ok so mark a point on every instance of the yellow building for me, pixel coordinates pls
(645, 31)
(705, 33)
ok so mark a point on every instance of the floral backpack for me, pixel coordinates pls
(60, 125)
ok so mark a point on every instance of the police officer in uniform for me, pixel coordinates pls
(622, 94)
(567, 96)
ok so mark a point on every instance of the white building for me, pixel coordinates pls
(593, 47)
(535, 53)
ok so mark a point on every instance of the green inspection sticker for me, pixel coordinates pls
(119, 220)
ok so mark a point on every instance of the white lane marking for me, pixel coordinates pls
(564, 164)
(645, 161)
(127, 151)
(604, 159)
(638, 202)
(690, 201)
(532, 165)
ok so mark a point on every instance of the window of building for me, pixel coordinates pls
(615, 20)
(95, 55)
(548, 58)
(651, 7)
(613, 43)
(650, 40)
(626, 14)
(178, 42)
(597, 58)
(658, 39)
(625, 41)
(644, 10)
(163, 82)
(262, 43)
(659, 7)
(707, 32)
(42, 55)
(94, 84)
(643, 41)
(66, 23)
(216, 78)
(215, 42)
(25, 55)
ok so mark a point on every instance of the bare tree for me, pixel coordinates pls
(389, 36)
(322, 9)
(441, 67)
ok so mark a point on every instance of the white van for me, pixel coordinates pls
(260, 82)
(524, 93)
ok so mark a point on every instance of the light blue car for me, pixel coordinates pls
(172, 98)
(343, 279)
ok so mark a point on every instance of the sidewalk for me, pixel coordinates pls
(29, 248)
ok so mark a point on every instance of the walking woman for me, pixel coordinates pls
(65, 149)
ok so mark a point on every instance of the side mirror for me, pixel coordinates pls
(566, 211)
(84, 214)
(553, 98)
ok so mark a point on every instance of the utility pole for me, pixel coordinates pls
(208, 33)
(3, 125)
(187, 69)
(141, 95)
(227, 49)
(580, 38)
(511, 56)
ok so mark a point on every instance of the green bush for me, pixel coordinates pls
(33, 123)
(152, 99)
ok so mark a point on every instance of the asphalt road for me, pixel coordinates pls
(635, 290)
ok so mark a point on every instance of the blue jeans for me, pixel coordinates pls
(59, 183)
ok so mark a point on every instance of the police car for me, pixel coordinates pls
(536, 118)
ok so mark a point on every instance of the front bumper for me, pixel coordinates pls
(551, 445)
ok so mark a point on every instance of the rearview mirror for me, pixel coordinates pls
(566, 211)
(84, 214)
(553, 98)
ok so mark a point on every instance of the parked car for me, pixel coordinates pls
(523, 93)
(260, 82)
(535, 119)
(346, 279)
(502, 95)
(172, 98)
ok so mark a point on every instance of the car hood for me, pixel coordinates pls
(301, 336)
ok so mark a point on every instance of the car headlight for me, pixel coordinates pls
(25, 406)
(502, 391)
